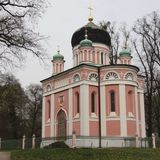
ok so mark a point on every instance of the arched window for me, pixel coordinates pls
(129, 76)
(76, 78)
(111, 76)
(93, 77)
(49, 109)
(76, 59)
(48, 88)
(130, 100)
(112, 101)
(101, 58)
(93, 102)
(77, 102)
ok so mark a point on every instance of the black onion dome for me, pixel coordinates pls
(95, 34)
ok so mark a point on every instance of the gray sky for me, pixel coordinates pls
(64, 17)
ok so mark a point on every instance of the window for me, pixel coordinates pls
(112, 101)
(129, 76)
(101, 58)
(93, 102)
(48, 88)
(49, 110)
(130, 100)
(77, 102)
(111, 76)
(76, 78)
(93, 77)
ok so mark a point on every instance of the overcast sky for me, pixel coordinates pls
(64, 17)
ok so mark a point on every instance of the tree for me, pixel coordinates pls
(115, 39)
(147, 45)
(116, 34)
(12, 101)
(16, 30)
(34, 109)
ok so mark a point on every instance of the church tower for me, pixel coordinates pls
(94, 49)
(125, 56)
(58, 63)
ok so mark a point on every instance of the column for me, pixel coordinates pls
(79, 53)
(123, 120)
(43, 118)
(70, 114)
(103, 111)
(142, 114)
(84, 110)
(96, 58)
(91, 57)
(52, 116)
(136, 108)
(87, 55)
(104, 58)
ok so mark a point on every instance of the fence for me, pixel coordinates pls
(28, 143)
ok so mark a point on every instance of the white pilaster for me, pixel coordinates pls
(99, 54)
(87, 56)
(79, 53)
(52, 115)
(96, 58)
(84, 110)
(91, 57)
(136, 108)
(70, 113)
(123, 120)
(142, 115)
(43, 118)
(78, 59)
(103, 111)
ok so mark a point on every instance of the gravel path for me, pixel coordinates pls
(4, 155)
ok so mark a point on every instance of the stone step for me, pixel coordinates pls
(5, 155)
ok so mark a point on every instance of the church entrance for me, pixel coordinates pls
(61, 117)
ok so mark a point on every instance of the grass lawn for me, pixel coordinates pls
(87, 154)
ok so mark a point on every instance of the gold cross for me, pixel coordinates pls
(91, 9)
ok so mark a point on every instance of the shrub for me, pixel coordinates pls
(59, 144)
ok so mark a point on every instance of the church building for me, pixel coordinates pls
(101, 103)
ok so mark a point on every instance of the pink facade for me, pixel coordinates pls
(71, 98)
(113, 128)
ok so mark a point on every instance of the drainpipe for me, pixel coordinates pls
(99, 107)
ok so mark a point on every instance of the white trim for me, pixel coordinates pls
(52, 115)
(113, 119)
(142, 115)
(118, 81)
(43, 118)
(103, 111)
(104, 83)
(84, 110)
(136, 109)
(70, 106)
(123, 120)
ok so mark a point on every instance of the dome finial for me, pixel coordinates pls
(58, 50)
(90, 18)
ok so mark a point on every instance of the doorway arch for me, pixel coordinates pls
(62, 125)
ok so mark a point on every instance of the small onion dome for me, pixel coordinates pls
(86, 42)
(58, 56)
(95, 33)
(125, 53)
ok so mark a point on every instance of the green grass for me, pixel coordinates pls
(87, 154)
